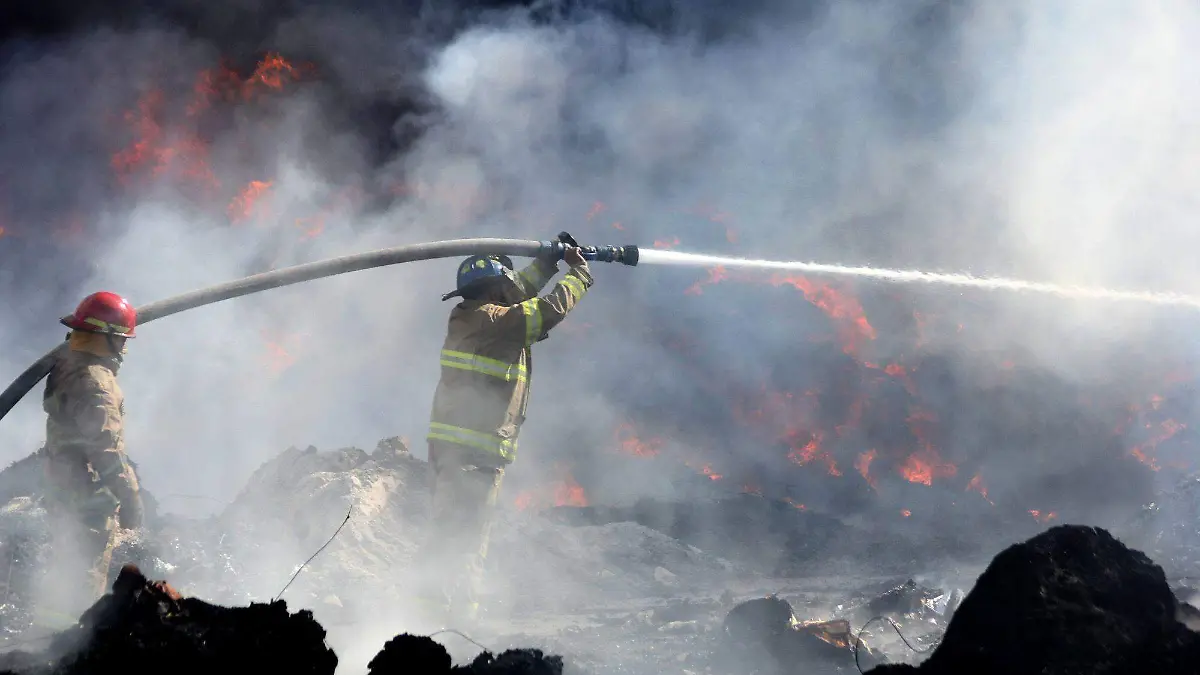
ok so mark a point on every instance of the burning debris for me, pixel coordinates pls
(768, 626)
(1070, 600)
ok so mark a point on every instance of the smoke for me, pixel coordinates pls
(1047, 142)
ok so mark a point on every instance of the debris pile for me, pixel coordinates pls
(410, 654)
(145, 626)
(764, 636)
(148, 627)
(1073, 599)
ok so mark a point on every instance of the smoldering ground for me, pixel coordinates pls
(1030, 140)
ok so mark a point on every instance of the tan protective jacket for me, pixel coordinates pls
(486, 359)
(85, 425)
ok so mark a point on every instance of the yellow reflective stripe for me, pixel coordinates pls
(533, 320)
(471, 438)
(484, 365)
(533, 277)
(104, 325)
(574, 285)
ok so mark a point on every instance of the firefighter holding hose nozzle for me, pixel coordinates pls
(91, 487)
(479, 407)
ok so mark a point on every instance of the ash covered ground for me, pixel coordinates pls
(640, 588)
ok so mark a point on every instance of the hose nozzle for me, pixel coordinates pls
(626, 255)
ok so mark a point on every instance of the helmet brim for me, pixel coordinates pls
(69, 322)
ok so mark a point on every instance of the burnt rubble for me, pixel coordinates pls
(765, 635)
(145, 626)
(148, 627)
(1073, 599)
(407, 654)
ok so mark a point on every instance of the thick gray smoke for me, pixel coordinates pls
(1050, 141)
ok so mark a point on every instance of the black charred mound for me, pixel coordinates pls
(418, 655)
(1070, 600)
(147, 628)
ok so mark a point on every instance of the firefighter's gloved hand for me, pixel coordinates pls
(574, 257)
(130, 515)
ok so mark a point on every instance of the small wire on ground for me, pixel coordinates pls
(896, 627)
(314, 555)
(462, 635)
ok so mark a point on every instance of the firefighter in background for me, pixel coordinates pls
(91, 487)
(478, 409)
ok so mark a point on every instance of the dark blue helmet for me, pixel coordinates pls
(477, 269)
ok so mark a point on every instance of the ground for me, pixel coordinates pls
(610, 592)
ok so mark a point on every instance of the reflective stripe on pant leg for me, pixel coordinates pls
(506, 449)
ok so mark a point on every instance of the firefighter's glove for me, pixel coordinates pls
(574, 257)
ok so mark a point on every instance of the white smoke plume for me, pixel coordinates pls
(1046, 141)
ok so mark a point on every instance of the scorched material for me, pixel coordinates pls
(145, 627)
(1071, 600)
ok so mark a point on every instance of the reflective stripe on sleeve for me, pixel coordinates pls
(574, 285)
(533, 320)
(533, 277)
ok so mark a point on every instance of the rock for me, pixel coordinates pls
(1071, 600)
(390, 448)
(148, 627)
(411, 655)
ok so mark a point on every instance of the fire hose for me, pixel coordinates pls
(627, 255)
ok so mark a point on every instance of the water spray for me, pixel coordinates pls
(658, 257)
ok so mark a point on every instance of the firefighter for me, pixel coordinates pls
(91, 487)
(478, 409)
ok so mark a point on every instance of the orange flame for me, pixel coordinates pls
(863, 464)
(705, 469)
(524, 500)
(627, 439)
(569, 493)
(566, 491)
(1042, 518)
(842, 308)
(812, 451)
(905, 512)
(976, 484)
(244, 203)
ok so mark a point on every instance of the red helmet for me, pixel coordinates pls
(103, 312)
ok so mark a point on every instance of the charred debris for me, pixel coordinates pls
(1070, 599)
(145, 627)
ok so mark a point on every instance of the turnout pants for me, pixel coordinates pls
(84, 514)
(464, 500)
